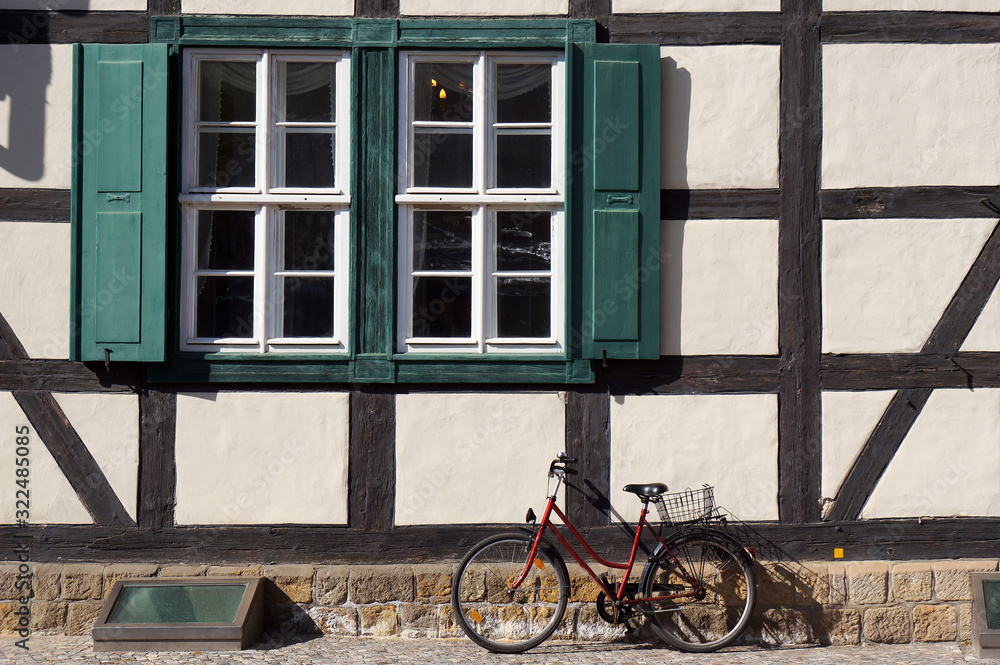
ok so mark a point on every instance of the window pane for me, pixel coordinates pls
(226, 159)
(524, 240)
(524, 160)
(523, 307)
(442, 91)
(308, 307)
(225, 239)
(442, 240)
(442, 307)
(309, 240)
(309, 160)
(227, 91)
(310, 89)
(442, 159)
(524, 93)
(224, 307)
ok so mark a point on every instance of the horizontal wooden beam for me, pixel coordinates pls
(910, 27)
(34, 205)
(908, 202)
(719, 203)
(892, 371)
(864, 540)
(64, 376)
(686, 375)
(71, 27)
(696, 28)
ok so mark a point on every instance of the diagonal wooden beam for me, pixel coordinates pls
(67, 448)
(947, 337)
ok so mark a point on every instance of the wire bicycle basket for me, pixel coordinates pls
(691, 505)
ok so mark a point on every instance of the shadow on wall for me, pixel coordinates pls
(676, 110)
(25, 74)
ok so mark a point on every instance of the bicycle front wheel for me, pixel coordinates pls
(501, 618)
(709, 591)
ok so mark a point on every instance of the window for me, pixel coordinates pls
(265, 201)
(481, 195)
(354, 200)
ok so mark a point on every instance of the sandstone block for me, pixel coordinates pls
(837, 627)
(952, 580)
(838, 584)
(183, 571)
(380, 584)
(47, 581)
(121, 571)
(812, 584)
(294, 582)
(582, 587)
(335, 620)
(9, 622)
(330, 585)
(48, 617)
(965, 622)
(446, 623)
(433, 583)
(291, 621)
(887, 625)
(868, 583)
(237, 571)
(418, 620)
(935, 623)
(83, 581)
(782, 626)
(10, 581)
(911, 581)
(379, 620)
(775, 584)
(590, 627)
(81, 617)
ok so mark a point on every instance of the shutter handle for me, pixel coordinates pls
(107, 359)
(619, 199)
(127, 198)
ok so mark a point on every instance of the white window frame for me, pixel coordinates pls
(483, 200)
(268, 202)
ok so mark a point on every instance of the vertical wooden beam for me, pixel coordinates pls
(599, 10)
(376, 8)
(164, 7)
(799, 263)
(157, 461)
(372, 461)
(588, 439)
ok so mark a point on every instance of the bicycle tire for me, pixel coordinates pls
(714, 618)
(499, 620)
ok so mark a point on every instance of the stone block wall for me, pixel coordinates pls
(798, 603)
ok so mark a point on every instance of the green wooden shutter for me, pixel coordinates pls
(119, 201)
(615, 200)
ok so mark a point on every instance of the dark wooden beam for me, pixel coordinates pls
(588, 439)
(947, 337)
(691, 375)
(164, 7)
(911, 27)
(157, 462)
(719, 203)
(71, 27)
(908, 202)
(800, 231)
(878, 539)
(10, 346)
(34, 205)
(894, 371)
(376, 8)
(696, 29)
(595, 9)
(66, 376)
(372, 460)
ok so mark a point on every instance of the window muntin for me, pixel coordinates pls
(265, 199)
(481, 196)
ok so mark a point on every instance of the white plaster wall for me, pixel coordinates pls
(719, 287)
(949, 463)
(652, 6)
(849, 418)
(65, 5)
(493, 8)
(293, 7)
(468, 458)
(720, 110)
(729, 441)
(262, 458)
(887, 282)
(911, 114)
(912, 5)
(36, 105)
(108, 424)
(34, 285)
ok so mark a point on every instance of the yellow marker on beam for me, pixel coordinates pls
(838, 552)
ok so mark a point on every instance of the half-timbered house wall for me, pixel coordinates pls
(829, 332)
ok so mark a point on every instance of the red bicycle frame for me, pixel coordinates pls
(618, 595)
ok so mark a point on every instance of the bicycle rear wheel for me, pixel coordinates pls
(715, 576)
(502, 619)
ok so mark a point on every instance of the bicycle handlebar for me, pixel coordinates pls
(560, 462)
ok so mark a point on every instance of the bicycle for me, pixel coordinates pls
(697, 589)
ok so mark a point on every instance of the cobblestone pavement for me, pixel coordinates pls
(379, 651)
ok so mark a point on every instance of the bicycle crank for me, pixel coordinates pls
(611, 612)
